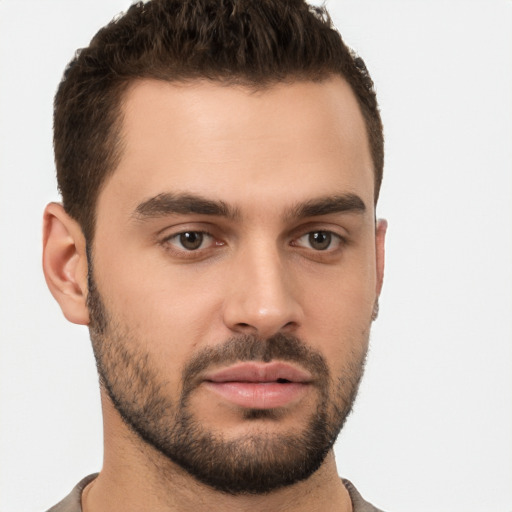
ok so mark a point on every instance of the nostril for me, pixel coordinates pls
(245, 328)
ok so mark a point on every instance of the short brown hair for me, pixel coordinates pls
(249, 42)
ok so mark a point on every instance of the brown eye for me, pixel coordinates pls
(191, 245)
(191, 240)
(320, 240)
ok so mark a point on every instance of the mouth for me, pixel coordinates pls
(259, 385)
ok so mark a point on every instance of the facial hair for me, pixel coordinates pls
(256, 463)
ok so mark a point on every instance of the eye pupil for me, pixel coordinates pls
(191, 240)
(320, 240)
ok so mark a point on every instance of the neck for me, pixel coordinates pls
(137, 477)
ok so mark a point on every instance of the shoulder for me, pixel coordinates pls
(358, 503)
(72, 502)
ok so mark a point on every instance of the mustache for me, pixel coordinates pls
(283, 347)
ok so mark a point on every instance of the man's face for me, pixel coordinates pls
(234, 275)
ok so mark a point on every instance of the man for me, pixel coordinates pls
(219, 164)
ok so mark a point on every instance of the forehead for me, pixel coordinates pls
(238, 144)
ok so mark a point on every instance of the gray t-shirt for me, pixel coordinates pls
(72, 502)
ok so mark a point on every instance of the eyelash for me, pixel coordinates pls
(338, 240)
(168, 242)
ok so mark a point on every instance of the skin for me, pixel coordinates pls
(262, 153)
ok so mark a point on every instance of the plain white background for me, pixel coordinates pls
(432, 428)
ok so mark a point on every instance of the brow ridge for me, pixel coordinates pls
(168, 203)
(182, 204)
(339, 203)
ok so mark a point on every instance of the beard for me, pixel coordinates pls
(256, 463)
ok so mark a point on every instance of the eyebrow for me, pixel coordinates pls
(345, 203)
(182, 204)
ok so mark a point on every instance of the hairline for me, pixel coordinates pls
(122, 89)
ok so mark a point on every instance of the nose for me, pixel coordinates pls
(263, 295)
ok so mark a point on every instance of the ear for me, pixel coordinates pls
(380, 238)
(65, 263)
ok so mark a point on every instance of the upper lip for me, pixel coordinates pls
(259, 372)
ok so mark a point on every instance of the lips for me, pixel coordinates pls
(259, 385)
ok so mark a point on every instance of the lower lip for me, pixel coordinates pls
(259, 395)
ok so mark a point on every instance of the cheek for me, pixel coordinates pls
(338, 308)
(167, 312)
(344, 294)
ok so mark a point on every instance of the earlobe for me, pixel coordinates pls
(380, 238)
(65, 263)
